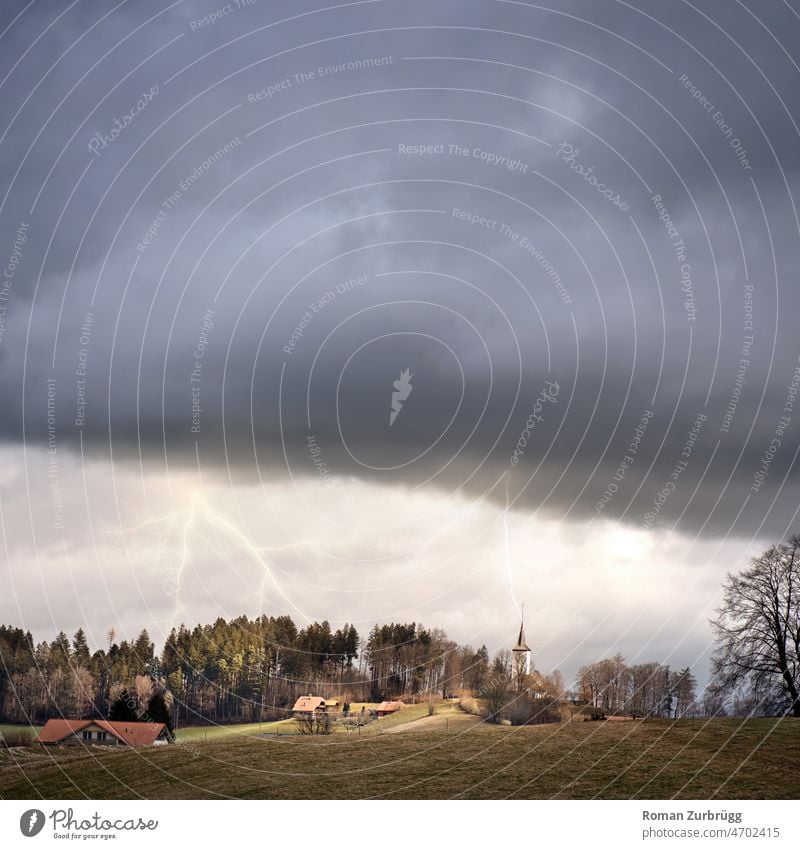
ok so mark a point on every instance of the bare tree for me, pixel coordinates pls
(758, 625)
(142, 691)
(83, 691)
(715, 700)
(519, 664)
(554, 684)
(496, 693)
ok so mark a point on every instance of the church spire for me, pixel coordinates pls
(522, 653)
(521, 645)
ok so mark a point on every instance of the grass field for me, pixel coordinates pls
(199, 733)
(15, 729)
(448, 755)
(193, 733)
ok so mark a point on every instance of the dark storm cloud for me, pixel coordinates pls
(263, 214)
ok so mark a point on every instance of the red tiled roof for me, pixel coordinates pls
(131, 733)
(389, 707)
(134, 733)
(307, 704)
(55, 730)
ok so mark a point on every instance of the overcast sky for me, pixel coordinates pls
(227, 230)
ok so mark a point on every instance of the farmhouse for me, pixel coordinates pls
(385, 708)
(70, 732)
(309, 705)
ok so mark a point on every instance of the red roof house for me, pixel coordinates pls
(385, 708)
(306, 705)
(103, 732)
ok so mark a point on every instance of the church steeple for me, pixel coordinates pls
(522, 652)
(521, 645)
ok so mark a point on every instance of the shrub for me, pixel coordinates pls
(472, 706)
(526, 710)
(588, 713)
(314, 724)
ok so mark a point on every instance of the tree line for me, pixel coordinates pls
(238, 670)
(641, 690)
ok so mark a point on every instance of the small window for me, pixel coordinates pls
(87, 735)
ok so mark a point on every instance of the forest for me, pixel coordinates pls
(240, 670)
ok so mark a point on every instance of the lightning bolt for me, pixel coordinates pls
(507, 543)
(180, 532)
(34, 818)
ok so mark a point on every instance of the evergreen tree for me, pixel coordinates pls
(479, 669)
(60, 651)
(143, 653)
(81, 655)
(351, 645)
(666, 706)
